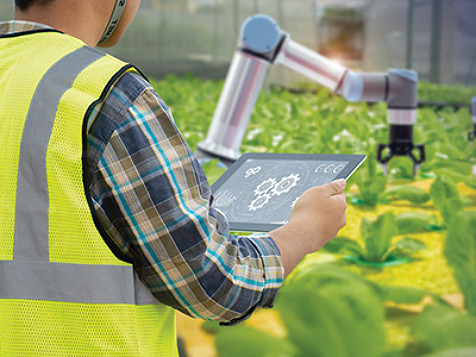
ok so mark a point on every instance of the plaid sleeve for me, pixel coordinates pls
(153, 200)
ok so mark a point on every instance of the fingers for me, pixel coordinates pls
(335, 187)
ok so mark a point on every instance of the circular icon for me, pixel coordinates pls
(329, 168)
(339, 168)
(320, 168)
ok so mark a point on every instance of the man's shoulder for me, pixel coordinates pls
(129, 87)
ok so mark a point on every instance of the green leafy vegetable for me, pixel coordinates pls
(460, 251)
(408, 193)
(442, 328)
(239, 341)
(331, 312)
(343, 245)
(403, 294)
(377, 238)
(446, 198)
(408, 246)
(414, 222)
(371, 182)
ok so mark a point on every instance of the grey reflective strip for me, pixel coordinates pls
(401, 116)
(32, 202)
(30, 275)
(72, 283)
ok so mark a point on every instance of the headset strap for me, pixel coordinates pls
(114, 20)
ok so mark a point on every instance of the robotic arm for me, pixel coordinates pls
(263, 43)
(472, 134)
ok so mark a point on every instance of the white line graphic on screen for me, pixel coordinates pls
(265, 186)
(259, 202)
(285, 184)
(225, 199)
(294, 202)
(252, 171)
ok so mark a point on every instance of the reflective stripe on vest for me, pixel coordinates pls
(33, 276)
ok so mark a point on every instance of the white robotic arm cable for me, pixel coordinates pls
(263, 43)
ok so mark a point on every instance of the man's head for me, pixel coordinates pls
(24, 4)
(85, 19)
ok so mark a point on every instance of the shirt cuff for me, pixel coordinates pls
(273, 273)
(272, 268)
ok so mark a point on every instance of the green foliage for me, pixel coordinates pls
(331, 312)
(213, 170)
(460, 251)
(377, 238)
(403, 294)
(409, 193)
(446, 197)
(455, 352)
(448, 152)
(371, 182)
(415, 222)
(239, 341)
(441, 328)
(445, 93)
(407, 247)
(344, 245)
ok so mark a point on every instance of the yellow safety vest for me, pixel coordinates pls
(62, 290)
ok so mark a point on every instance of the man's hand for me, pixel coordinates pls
(316, 218)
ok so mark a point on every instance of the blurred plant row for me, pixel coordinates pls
(331, 309)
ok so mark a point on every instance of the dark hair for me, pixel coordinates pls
(25, 4)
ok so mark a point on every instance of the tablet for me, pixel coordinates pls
(258, 192)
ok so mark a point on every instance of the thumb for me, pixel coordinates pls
(335, 187)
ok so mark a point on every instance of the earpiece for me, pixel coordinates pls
(114, 20)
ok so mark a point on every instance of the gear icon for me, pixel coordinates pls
(285, 184)
(259, 202)
(265, 186)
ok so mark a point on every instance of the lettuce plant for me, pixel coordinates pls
(408, 193)
(446, 198)
(371, 182)
(377, 242)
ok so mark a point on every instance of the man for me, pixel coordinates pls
(105, 214)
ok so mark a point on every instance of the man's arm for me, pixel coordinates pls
(152, 198)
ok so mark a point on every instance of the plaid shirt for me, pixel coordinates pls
(153, 199)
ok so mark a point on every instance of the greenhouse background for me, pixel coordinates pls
(399, 280)
(437, 38)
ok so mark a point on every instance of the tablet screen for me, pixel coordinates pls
(258, 191)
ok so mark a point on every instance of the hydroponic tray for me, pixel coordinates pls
(258, 191)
